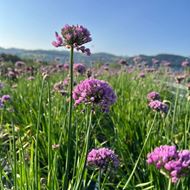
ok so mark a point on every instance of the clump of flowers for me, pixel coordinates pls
(20, 64)
(79, 68)
(102, 158)
(66, 66)
(74, 36)
(60, 87)
(174, 164)
(122, 62)
(142, 75)
(5, 98)
(153, 96)
(158, 106)
(179, 78)
(95, 92)
(185, 63)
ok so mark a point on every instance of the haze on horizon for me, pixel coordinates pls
(121, 27)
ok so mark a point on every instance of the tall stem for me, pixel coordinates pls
(136, 163)
(169, 184)
(67, 169)
(99, 179)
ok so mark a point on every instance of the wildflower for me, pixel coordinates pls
(89, 73)
(74, 36)
(179, 78)
(142, 75)
(122, 62)
(60, 87)
(175, 164)
(20, 64)
(5, 98)
(95, 92)
(102, 158)
(153, 96)
(55, 146)
(66, 66)
(158, 106)
(155, 61)
(30, 78)
(59, 40)
(185, 63)
(80, 68)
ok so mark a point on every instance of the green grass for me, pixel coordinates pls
(36, 118)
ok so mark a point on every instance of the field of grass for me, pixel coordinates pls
(34, 131)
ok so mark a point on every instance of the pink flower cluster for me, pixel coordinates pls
(4, 99)
(102, 158)
(95, 92)
(79, 68)
(185, 63)
(74, 36)
(153, 96)
(175, 164)
(158, 106)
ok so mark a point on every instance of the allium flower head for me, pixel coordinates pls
(102, 158)
(59, 40)
(158, 106)
(173, 163)
(122, 62)
(142, 75)
(73, 36)
(19, 64)
(153, 96)
(5, 98)
(80, 68)
(95, 92)
(185, 63)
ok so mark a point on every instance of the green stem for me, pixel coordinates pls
(175, 110)
(67, 169)
(99, 179)
(136, 163)
(49, 141)
(37, 138)
(85, 154)
(169, 184)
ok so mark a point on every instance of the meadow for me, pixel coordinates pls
(46, 137)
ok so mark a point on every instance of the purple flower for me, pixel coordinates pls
(142, 75)
(59, 40)
(174, 163)
(5, 98)
(158, 106)
(153, 96)
(66, 66)
(102, 158)
(80, 68)
(19, 64)
(161, 155)
(74, 36)
(122, 62)
(185, 63)
(95, 92)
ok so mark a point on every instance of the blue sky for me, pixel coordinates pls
(121, 27)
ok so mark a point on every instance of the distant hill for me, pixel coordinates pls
(63, 56)
(104, 58)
